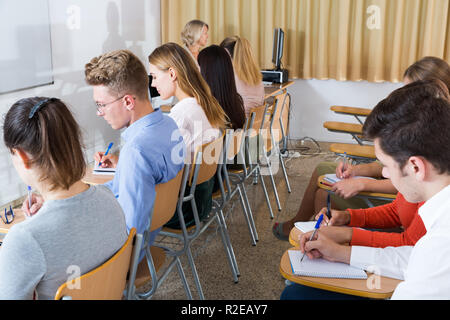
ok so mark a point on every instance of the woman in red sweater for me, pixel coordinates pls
(397, 214)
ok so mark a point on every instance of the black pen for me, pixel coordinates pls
(329, 207)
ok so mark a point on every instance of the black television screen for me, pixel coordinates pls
(153, 92)
(278, 46)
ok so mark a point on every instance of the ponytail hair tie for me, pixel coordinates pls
(38, 106)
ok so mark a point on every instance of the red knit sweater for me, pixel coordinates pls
(398, 213)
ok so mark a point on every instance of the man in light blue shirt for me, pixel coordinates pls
(153, 149)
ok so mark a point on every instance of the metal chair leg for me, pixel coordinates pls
(266, 195)
(195, 273)
(250, 220)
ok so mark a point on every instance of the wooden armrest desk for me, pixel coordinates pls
(19, 216)
(379, 288)
(274, 89)
(353, 111)
(95, 179)
(354, 150)
(365, 195)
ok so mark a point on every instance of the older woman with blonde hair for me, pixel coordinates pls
(194, 37)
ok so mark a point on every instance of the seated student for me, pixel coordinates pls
(247, 72)
(194, 37)
(197, 113)
(217, 70)
(416, 160)
(151, 153)
(78, 225)
(314, 198)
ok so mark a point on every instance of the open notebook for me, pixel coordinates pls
(305, 226)
(323, 268)
(104, 171)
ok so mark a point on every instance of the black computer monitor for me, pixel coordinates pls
(278, 46)
(153, 92)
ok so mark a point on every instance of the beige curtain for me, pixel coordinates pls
(374, 40)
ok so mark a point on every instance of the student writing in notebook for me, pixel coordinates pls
(416, 159)
(399, 214)
(314, 198)
(197, 113)
(153, 149)
(76, 226)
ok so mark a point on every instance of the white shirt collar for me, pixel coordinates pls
(434, 208)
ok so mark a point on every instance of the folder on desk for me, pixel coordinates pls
(323, 268)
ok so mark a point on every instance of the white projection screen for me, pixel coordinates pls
(25, 45)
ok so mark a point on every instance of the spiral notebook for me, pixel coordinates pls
(322, 268)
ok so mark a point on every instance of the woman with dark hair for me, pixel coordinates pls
(217, 69)
(73, 226)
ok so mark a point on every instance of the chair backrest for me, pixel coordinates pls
(166, 199)
(276, 129)
(234, 143)
(106, 282)
(258, 116)
(208, 156)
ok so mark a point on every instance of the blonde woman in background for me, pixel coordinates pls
(194, 37)
(247, 72)
(198, 114)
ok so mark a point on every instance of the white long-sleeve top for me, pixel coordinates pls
(425, 268)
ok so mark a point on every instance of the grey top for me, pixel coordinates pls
(65, 239)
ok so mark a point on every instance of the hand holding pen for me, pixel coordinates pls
(106, 160)
(344, 169)
(316, 227)
(32, 204)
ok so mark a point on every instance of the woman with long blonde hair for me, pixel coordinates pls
(198, 115)
(247, 71)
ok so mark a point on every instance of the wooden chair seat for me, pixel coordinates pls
(353, 150)
(364, 112)
(343, 127)
(143, 274)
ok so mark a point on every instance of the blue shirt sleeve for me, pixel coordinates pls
(136, 188)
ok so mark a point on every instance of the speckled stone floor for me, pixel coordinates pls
(259, 265)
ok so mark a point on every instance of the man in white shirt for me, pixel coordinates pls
(411, 133)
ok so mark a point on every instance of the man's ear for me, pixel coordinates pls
(418, 167)
(23, 156)
(129, 101)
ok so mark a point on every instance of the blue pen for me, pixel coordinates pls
(106, 153)
(316, 227)
(29, 199)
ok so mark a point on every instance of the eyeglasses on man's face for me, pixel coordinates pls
(8, 217)
(100, 106)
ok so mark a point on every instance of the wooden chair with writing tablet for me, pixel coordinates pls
(355, 130)
(352, 111)
(360, 154)
(366, 196)
(375, 286)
